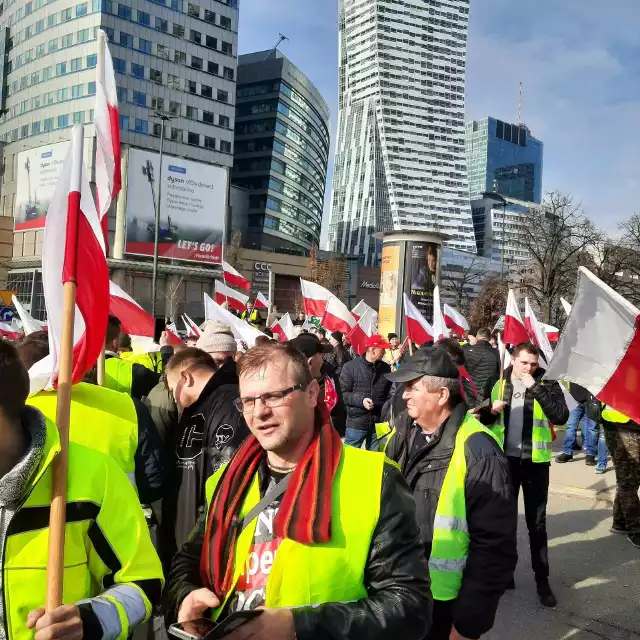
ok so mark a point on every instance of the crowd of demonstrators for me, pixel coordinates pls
(365, 389)
(349, 562)
(482, 362)
(339, 354)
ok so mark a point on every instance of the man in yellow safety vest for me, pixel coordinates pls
(112, 576)
(460, 481)
(252, 315)
(349, 563)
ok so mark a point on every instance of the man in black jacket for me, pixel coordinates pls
(208, 434)
(522, 414)
(340, 355)
(482, 362)
(365, 390)
(433, 427)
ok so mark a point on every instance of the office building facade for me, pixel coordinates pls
(281, 153)
(400, 155)
(505, 158)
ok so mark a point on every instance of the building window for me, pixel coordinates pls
(61, 68)
(48, 124)
(213, 68)
(162, 51)
(144, 45)
(51, 47)
(191, 86)
(209, 16)
(209, 143)
(206, 91)
(119, 65)
(144, 18)
(126, 40)
(173, 82)
(35, 77)
(157, 103)
(40, 26)
(223, 96)
(65, 15)
(225, 22)
(140, 98)
(63, 121)
(192, 113)
(207, 117)
(92, 61)
(67, 40)
(28, 8)
(91, 88)
(195, 36)
(78, 117)
(224, 121)
(155, 76)
(193, 139)
(61, 95)
(76, 64)
(156, 129)
(176, 134)
(83, 35)
(196, 63)
(35, 128)
(142, 126)
(162, 25)
(81, 9)
(227, 48)
(193, 10)
(225, 146)
(174, 108)
(211, 42)
(124, 122)
(77, 91)
(52, 20)
(122, 93)
(178, 30)
(180, 57)
(124, 11)
(39, 51)
(24, 131)
(47, 73)
(228, 73)
(137, 70)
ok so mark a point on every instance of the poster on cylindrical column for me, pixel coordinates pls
(193, 203)
(422, 267)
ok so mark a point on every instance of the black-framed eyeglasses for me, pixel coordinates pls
(272, 399)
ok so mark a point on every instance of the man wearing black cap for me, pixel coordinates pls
(466, 508)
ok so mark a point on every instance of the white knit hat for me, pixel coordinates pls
(216, 337)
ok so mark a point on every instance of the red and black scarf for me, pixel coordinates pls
(305, 510)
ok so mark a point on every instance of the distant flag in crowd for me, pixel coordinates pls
(337, 317)
(29, 323)
(241, 330)
(537, 332)
(107, 127)
(505, 356)
(566, 306)
(134, 319)
(73, 247)
(283, 328)
(439, 326)
(362, 331)
(515, 331)
(600, 346)
(455, 321)
(553, 333)
(190, 326)
(314, 298)
(261, 301)
(360, 309)
(418, 329)
(237, 301)
(172, 334)
(234, 278)
(8, 331)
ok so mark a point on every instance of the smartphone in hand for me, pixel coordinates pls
(205, 629)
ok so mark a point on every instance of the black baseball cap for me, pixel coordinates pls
(309, 345)
(427, 361)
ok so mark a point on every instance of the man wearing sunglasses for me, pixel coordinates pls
(321, 536)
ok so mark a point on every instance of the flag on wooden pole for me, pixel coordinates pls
(418, 329)
(455, 321)
(134, 320)
(234, 278)
(515, 331)
(261, 302)
(314, 298)
(236, 300)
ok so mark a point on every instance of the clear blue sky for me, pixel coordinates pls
(579, 61)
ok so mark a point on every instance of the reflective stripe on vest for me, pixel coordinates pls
(541, 434)
(450, 547)
(611, 415)
(307, 575)
(101, 419)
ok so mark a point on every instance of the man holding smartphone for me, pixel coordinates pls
(320, 536)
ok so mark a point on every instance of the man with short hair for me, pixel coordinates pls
(319, 535)
(251, 315)
(522, 413)
(300, 319)
(209, 432)
(482, 362)
(365, 390)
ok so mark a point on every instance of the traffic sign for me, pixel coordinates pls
(6, 314)
(6, 295)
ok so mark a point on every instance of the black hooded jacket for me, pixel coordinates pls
(483, 364)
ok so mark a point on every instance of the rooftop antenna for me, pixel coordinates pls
(281, 39)
(519, 104)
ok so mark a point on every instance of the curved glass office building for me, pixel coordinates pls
(281, 153)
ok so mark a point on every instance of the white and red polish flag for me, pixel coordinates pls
(515, 330)
(418, 329)
(29, 323)
(600, 346)
(133, 318)
(234, 278)
(537, 332)
(236, 300)
(364, 329)
(73, 249)
(455, 321)
(107, 128)
(9, 331)
(172, 333)
(190, 326)
(284, 328)
(360, 309)
(553, 333)
(261, 302)
(241, 330)
(566, 306)
(440, 329)
(337, 317)
(314, 298)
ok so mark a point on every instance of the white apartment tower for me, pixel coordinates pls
(400, 154)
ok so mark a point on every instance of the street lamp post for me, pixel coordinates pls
(154, 280)
(496, 197)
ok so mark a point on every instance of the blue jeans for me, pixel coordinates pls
(589, 429)
(355, 438)
(603, 452)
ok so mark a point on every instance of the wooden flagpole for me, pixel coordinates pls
(501, 383)
(57, 518)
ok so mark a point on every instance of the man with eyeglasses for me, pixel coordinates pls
(466, 508)
(320, 536)
(208, 433)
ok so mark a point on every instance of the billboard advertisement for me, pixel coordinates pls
(37, 173)
(389, 280)
(192, 210)
(421, 269)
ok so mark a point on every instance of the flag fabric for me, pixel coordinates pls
(537, 333)
(29, 323)
(283, 328)
(241, 330)
(107, 128)
(191, 326)
(418, 329)
(600, 346)
(505, 356)
(439, 325)
(362, 331)
(234, 278)
(337, 317)
(172, 333)
(566, 306)
(133, 318)
(360, 309)
(455, 321)
(314, 298)
(553, 333)
(515, 331)
(9, 331)
(73, 247)
(237, 301)
(261, 302)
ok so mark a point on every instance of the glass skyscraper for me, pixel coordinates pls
(505, 158)
(400, 154)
